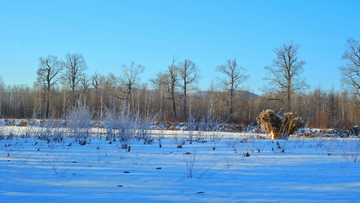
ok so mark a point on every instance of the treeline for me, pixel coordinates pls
(318, 107)
(62, 83)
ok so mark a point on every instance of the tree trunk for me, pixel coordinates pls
(40, 103)
(148, 111)
(64, 103)
(47, 100)
(130, 98)
(73, 96)
(190, 102)
(161, 96)
(173, 98)
(73, 102)
(185, 100)
(231, 100)
(288, 103)
(289, 94)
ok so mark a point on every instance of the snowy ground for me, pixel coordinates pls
(297, 170)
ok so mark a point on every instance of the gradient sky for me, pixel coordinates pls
(110, 33)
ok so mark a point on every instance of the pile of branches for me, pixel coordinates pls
(278, 127)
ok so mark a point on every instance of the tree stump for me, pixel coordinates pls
(278, 127)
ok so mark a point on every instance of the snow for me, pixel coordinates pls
(38, 171)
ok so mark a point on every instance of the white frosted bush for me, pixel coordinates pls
(122, 124)
(79, 121)
(191, 126)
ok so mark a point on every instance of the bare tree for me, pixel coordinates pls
(350, 73)
(49, 68)
(130, 79)
(284, 74)
(159, 82)
(189, 74)
(172, 80)
(234, 76)
(75, 66)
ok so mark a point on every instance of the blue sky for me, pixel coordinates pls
(110, 33)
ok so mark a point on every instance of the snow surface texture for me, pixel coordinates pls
(295, 170)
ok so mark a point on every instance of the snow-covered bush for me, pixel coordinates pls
(110, 121)
(2, 130)
(145, 126)
(212, 124)
(191, 127)
(79, 121)
(121, 123)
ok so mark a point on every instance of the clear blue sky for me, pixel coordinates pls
(110, 33)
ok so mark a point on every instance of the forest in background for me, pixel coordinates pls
(174, 92)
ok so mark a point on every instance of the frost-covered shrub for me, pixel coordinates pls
(79, 121)
(212, 124)
(124, 125)
(2, 129)
(145, 127)
(110, 122)
(191, 127)
(119, 123)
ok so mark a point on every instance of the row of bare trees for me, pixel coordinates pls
(174, 92)
(319, 107)
(50, 71)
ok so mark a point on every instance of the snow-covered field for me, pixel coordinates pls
(295, 170)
